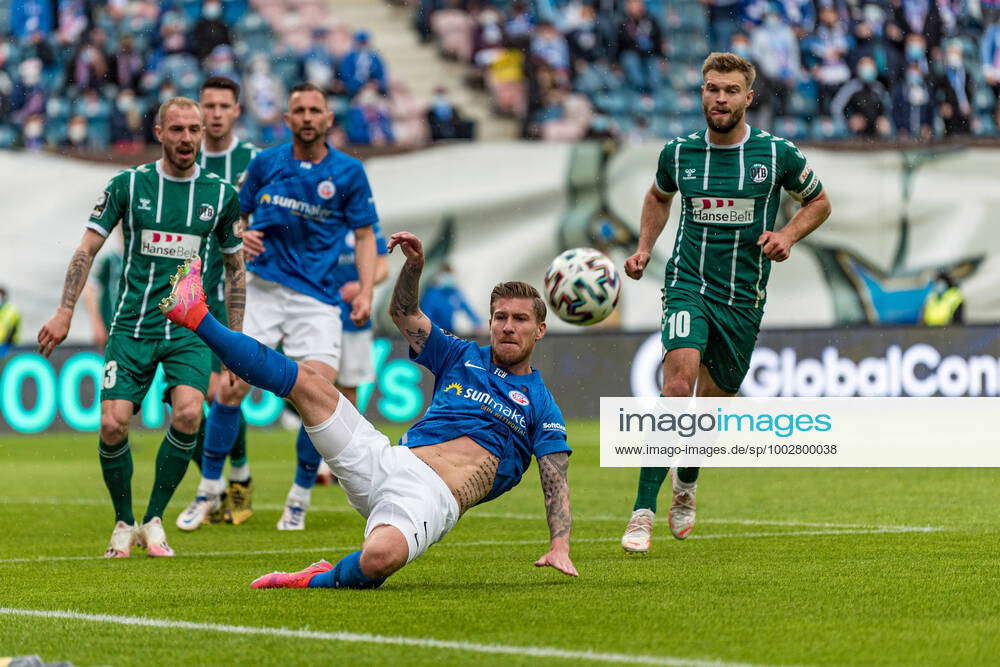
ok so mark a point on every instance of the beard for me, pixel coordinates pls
(508, 358)
(723, 126)
(181, 163)
(318, 135)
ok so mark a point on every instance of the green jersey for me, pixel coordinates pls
(108, 276)
(164, 220)
(729, 195)
(229, 165)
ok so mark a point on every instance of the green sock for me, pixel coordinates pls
(199, 445)
(238, 454)
(116, 466)
(650, 481)
(688, 475)
(171, 464)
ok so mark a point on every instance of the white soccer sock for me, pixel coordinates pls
(211, 487)
(300, 493)
(240, 474)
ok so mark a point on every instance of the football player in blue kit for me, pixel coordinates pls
(489, 414)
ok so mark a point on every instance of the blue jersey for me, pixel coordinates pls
(304, 210)
(511, 416)
(347, 271)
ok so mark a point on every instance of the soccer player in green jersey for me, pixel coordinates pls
(225, 155)
(729, 178)
(169, 210)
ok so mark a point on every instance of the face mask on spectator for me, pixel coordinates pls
(867, 73)
(914, 77)
(166, 94)
(741, 49)
(31, 71)
(33, 129)
(125, 103)
(954, 59)
(772, 20)
(77, 133)
(211, 10)
(914, 51)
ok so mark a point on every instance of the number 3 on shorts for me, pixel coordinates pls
(110, 374)
(679, 324)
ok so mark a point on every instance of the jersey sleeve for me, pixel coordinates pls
(549, 434)
(797, 176)
(249, 184)
(359, 204)
(381, 246)
(441, 350)
(229, 223)
(665, 168)
(111, 205)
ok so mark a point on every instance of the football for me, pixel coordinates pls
(582, 286)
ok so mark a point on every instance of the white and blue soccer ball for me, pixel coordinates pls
(582, 286)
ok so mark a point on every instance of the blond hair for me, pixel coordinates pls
(518, 290)
(729, 62)
(161, 115)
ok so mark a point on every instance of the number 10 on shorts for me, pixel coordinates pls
(678, 324)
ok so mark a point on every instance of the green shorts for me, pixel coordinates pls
(724, 335)
(217, 307)
(130, 365)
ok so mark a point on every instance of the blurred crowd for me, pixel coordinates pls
(827, 69)
(90, 74)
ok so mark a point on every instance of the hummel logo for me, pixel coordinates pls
(469, 364)
(144, 204)
(689, 174)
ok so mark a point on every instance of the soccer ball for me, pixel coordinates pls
(582, 286)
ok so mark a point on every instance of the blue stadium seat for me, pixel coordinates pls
(8, 136)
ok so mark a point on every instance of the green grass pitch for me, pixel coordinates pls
(792, 566)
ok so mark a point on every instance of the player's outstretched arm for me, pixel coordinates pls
(236, 288)
(55, 330)
(405, 305)
(655, 211)
(555, 486)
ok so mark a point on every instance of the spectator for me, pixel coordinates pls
(776, 49)
(368, 120)
(446, 306)
(210, 31)
(88, 68)
(222, 62)
(28, 97)
(126, 122)
(760, 113)
(34, 131)
(863, 103)
(28, 16)
(76, 133)
(361, 65)
(445, 121)
(10, 323)
(488, 38)
(549, 45)
(989, 49)
(265, 97)
(520, 25)
(640, 47)
(920, 17)
(126, 65)
(913, 104)
(828, 48)
(869, 42)
(318, 65)
(584, 38)
(955, 93)
(723, 22)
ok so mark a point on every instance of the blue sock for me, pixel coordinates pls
(220, 433)
(345, 574)
(254, 362)
(307, 460)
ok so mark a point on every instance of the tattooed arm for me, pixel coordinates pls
(236, 289)
(55, 330)
(555, 486)
(405, 305)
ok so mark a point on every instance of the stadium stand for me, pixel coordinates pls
(630, 68)
(90, 74)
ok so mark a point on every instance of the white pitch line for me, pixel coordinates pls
(352, 637)
(491, 543)
(476, 514)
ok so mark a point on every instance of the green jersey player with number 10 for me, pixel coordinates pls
(729, 177)
(169, 210)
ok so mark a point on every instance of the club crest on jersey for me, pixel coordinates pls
(758, 173)
(325, 189)
(206, 212)
(518, 397)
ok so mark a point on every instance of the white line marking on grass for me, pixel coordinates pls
(491, 543)
(267, 507)
(352, 637)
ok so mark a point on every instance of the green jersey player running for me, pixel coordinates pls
(226, 156)
(729, 178)
(169, 210)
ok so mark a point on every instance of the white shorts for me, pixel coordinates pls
(306, 328)
(387, 485)
(356, 364)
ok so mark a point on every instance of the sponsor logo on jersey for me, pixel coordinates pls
(206, 212)
(170, 245)
(469, 364)
(455, 387)
(722, 211)
(554, 426)
(296, 206)
(145, 204)
(805, 173)
(758, 173)
(810, 189)
(325, 189)
(518, 397)
(101, 204)
(689, 174)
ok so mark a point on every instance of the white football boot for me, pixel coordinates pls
(682, 506)
(199, 511)
(639, 533)
(152, 537)
(122, 539)
(294, 516)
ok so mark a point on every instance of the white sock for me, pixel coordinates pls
(239, 473)
(211, 487)
(300, 493)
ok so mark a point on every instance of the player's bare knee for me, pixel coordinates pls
(311, 386)
(187, 417)
(678, 385)
(381, 560)
(113, 429)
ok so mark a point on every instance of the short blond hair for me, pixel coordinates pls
(518, 290)
(730, 62)
(161, 115)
